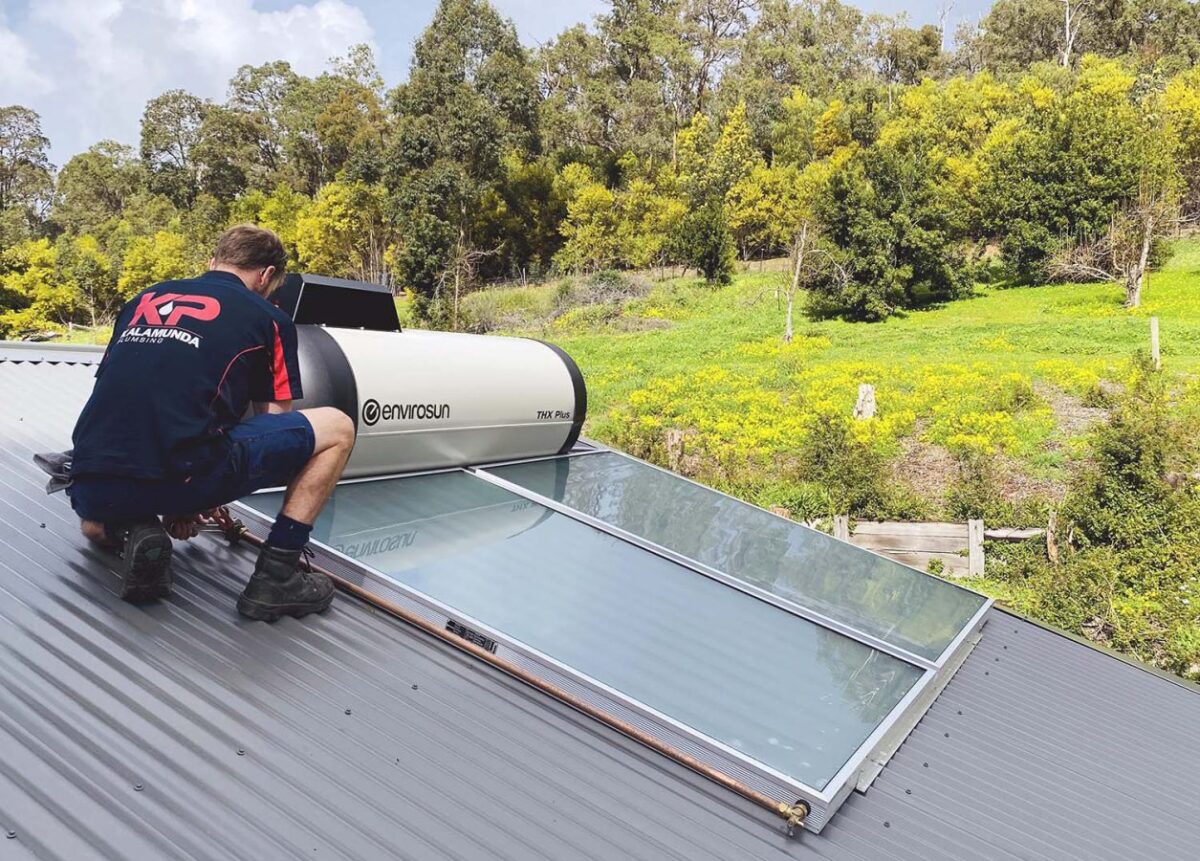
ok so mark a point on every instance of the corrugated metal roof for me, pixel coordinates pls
(1039, 748)
(35, 352)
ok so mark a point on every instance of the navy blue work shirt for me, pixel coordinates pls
(185, 360)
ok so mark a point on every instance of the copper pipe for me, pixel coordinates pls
(793, 814)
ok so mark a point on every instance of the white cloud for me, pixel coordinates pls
(20, 75)
(89, 66)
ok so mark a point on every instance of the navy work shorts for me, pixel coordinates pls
(267, 450)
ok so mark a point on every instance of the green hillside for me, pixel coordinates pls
(1015, 374)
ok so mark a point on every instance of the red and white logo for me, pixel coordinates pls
(167, 309)
(157, 317)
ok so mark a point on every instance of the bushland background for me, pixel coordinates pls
(733, 213)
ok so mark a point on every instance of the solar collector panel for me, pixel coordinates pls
(792, 695)
(876, 596)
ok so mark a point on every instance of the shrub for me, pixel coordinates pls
(805, 500)
(505, 308)
(853, 472)
(703, 242)
(976, 491)
(1026, 250)
(898, 238)
(1128, 579)
(1124, 496)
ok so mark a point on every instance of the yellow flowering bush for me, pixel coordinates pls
(1068, 374)
(734, 416)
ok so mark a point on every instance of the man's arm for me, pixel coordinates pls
(279, 382)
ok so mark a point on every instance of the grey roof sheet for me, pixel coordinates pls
(1040, 748)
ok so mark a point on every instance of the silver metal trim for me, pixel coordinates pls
(568, 454)
(826, 800)
(972, 623)
(51, 352)
(706, 570)
(974, 626)
(890, 743)
(464, 428)
(50, 346)
(840, 785)
(445, 469)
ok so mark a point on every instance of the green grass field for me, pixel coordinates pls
(1059, 333)
(1012, 373)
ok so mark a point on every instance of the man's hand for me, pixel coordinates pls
(187, 526)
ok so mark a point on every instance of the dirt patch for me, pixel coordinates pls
(1017, 486)
(930, 471)
(1072, 417)
(927, 469)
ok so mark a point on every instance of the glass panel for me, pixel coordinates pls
(791, 694)
(877, 596)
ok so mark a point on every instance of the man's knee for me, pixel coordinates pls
(345, 428)
(331, 427)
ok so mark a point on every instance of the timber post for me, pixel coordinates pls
(1154, 352)
(975, 548)
(674, 449)
(865, 406)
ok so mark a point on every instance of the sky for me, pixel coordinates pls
(88, 67)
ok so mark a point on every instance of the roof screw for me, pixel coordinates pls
(908, 792)
(925, 765)
(347, 711)
(960, 711)
(947, 735)
(42, 525)
(137, 787)
(241, 752)
(11, 835)
(887, 825)
(414, 687)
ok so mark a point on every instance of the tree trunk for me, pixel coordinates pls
(1066, 54)
(799, 248)
(457, 283)
(1072, 21)
(1137, 273)
(460, 260)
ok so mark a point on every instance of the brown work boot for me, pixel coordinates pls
(145, 550)
(279, 587)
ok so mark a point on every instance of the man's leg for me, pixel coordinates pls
(333, 432)
(278, 586)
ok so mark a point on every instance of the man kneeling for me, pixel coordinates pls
(163, 432)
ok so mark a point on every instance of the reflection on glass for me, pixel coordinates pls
(790, 694)
(877, 596)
